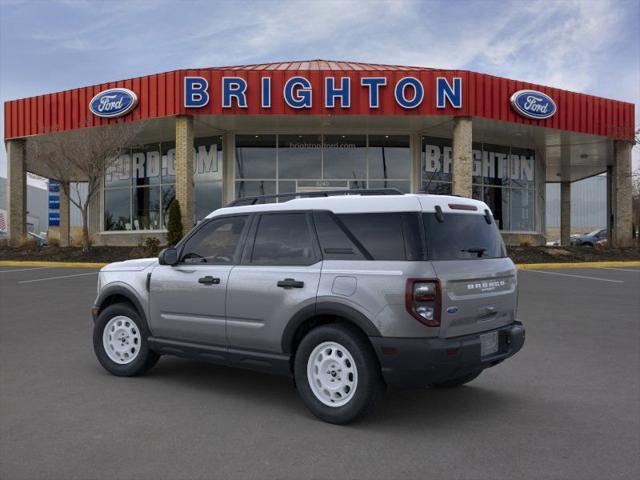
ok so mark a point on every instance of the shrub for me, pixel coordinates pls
(152, 246)
(174, 225)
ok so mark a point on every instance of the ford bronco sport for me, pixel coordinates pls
(347, 293)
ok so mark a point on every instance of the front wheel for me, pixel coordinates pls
(120, 341)
(337, 373)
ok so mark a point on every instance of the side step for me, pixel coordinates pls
(259, 361)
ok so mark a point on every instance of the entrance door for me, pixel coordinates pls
(187, 300)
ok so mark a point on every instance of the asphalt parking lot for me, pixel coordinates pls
(568, 406)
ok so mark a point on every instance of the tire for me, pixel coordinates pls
(129, 353)
(458, 381)
(352, 383)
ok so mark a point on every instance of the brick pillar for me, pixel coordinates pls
(184, 170)
(16, 191)
(228, 168)
(621, 185)
(65, 215)
(462, 156)
(565, 213)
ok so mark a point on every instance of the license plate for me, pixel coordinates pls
(488, 343)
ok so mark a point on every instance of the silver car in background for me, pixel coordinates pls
(348, 294)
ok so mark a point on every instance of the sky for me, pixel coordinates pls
(589, 46)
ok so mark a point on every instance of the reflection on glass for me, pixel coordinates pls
(245, 188)
(118, 173)
(117, 204)
(437, 188)
(300, 156)
(168, 162)
(436, 160)
(389, 156)
(168, 195)
(497, 200)
(256, 156)
(145, 165)
(403, 185)
(522, 210)
(208, 196)
(146, 208)
(345, 156)
(207, 160)
(522, 167)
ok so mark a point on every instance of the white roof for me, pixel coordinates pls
(364, 204)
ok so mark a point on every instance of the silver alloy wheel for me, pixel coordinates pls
(121, 340)
(332, 374)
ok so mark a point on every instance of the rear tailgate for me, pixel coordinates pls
(477, 295)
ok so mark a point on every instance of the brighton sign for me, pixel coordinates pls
(298, 93)
(113, 103)
(533, 104)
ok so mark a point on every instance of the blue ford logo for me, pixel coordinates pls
(533, 104)
(453, 309)
(114, 102)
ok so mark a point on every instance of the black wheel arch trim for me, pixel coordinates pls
(121, 291)
(330, 309)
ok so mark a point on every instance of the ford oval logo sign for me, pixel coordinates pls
(114, 102)
(533, 104)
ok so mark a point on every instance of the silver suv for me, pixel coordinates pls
(347, 294)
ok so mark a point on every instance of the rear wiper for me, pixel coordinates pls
(479, 250)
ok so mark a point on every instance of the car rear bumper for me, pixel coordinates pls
(415, 362)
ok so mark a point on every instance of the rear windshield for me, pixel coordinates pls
(461, 236)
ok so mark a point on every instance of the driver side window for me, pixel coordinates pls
(215, 243)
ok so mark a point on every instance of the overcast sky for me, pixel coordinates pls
(582, 45)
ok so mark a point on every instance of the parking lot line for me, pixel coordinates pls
(577, 276)
(57, 278)
(637, 270)
(23, 269)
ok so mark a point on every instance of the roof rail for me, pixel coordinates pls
(320, 193)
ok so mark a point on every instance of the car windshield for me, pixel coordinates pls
(460, 236)
(594, 233)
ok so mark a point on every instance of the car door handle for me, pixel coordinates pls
(290, 283)
(209, 280)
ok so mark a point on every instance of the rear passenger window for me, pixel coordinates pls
(283, 239)
(383, 234)
(334, 240)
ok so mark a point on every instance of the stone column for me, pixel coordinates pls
(415, 145)
(16, 191)
(184, 170)
(462, 156)
(621, 235)
(65, 216)
(228, 168)
(565, 213)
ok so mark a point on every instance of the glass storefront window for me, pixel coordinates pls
(389, 157)
(146, 208)
(148, 175)
(344, 156)
(255, 156)
(117, 209)
(300, 156)
(251, 188)
(503, 177)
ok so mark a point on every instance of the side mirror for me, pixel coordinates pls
(168, 256)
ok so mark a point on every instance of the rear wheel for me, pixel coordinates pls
(120, 341)
(337, 373)
(458, 381)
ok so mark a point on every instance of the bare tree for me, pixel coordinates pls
(82, 156)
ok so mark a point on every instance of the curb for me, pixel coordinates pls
(519, 266)
(28, 263)
(530, 266)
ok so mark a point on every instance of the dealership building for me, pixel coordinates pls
(209, 136)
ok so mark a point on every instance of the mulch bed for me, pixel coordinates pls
(114, 254)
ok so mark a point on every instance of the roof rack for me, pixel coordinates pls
(320, 193)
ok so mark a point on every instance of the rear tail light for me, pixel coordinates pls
(422, 299)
